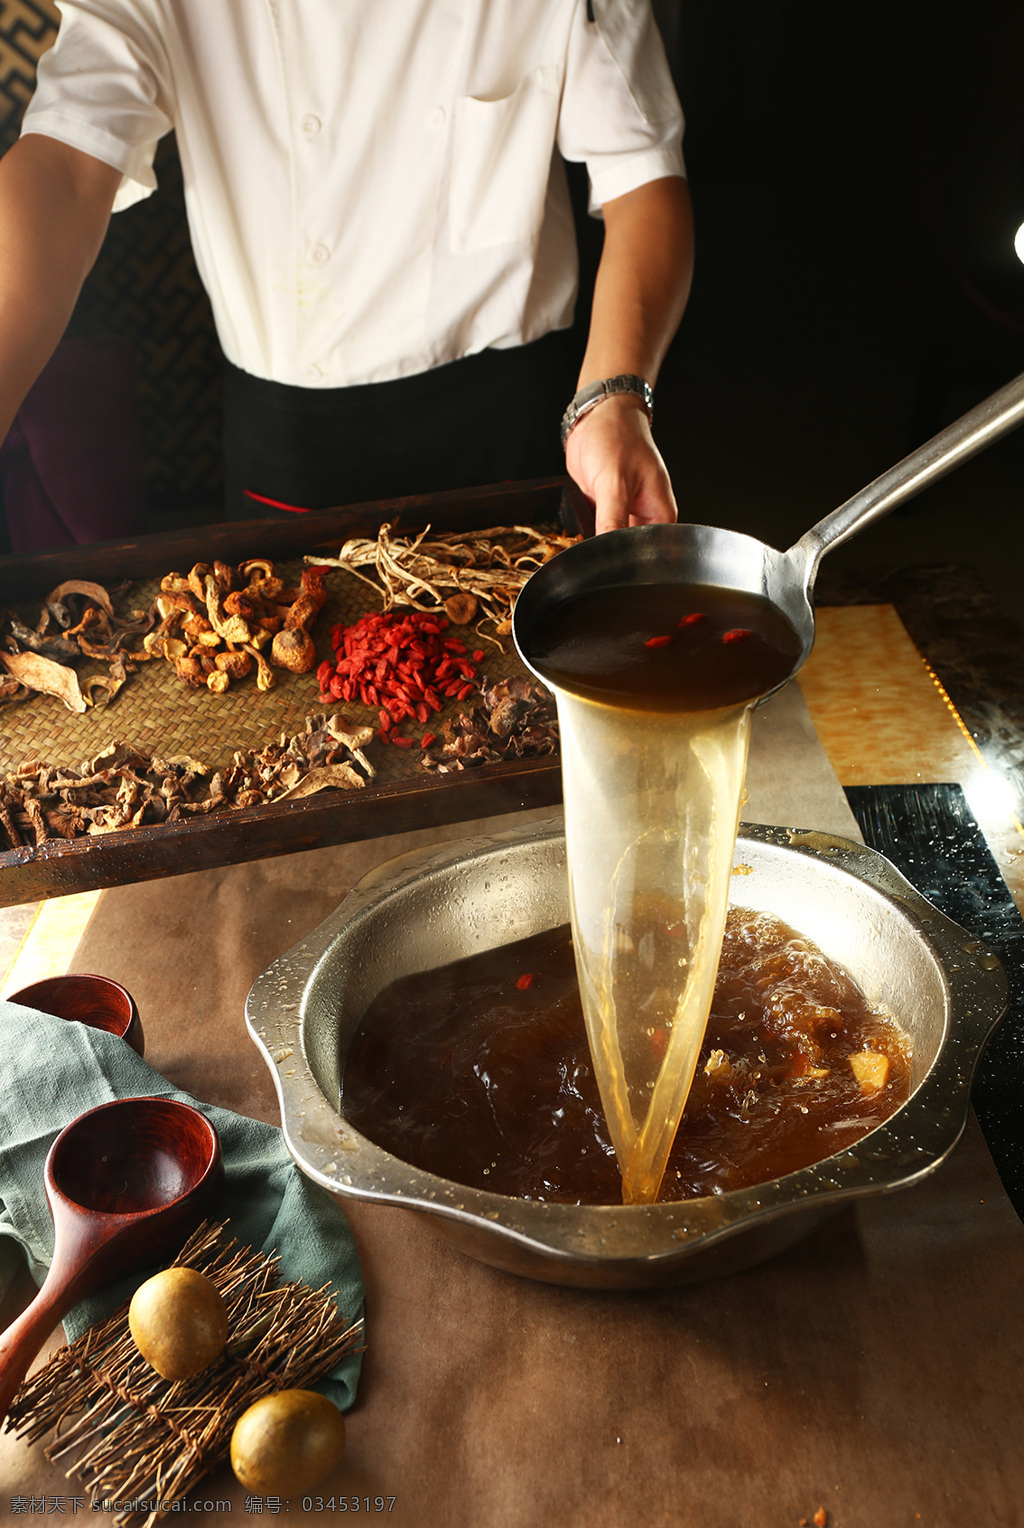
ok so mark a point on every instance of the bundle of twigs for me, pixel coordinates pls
(143, 1441)
(488, 567)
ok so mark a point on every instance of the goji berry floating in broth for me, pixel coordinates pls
(671, 647)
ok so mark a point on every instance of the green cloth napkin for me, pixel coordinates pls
(51, 1071)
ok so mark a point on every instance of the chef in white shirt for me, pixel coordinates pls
(378, 205)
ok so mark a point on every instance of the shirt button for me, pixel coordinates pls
(320, 254)
(310, 125)
(313, 374)
(437, 117)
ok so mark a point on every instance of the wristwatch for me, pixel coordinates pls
(596, 392)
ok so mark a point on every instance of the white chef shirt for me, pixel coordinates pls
(372, 186)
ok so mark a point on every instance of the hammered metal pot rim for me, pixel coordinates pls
(616, 1245)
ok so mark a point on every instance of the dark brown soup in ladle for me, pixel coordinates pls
(667, 647)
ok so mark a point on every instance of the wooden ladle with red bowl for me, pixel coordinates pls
(127, 1183)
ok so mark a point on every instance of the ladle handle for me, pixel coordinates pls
(21, 1341)
(997, 415)
(82, 1246)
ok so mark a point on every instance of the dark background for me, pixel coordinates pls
(857, 175)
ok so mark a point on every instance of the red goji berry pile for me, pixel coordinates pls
(402, 664)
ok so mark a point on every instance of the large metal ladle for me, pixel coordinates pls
(704, 554)
(652, 798)
(127, 1183)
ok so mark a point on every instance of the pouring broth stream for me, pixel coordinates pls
(655, 685)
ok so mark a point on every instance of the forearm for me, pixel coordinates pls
(643, 281)
(54, 208)
(642, 286)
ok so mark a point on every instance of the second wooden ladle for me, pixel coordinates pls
(126, 1182)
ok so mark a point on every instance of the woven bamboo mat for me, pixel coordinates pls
(156, 713)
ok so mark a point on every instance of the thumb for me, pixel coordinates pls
(612, 503)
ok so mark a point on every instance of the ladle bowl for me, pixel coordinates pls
(705, 554)
(126, 1183)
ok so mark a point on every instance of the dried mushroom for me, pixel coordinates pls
(323, 778)
(124, 788)
(56, 600)
(264, 676)
(229, 616)
(60, 648)
(77, 621)
(45, 677)
(294, 649)
(461, 608)
(516, 720)
(293, 646)
(235, 662)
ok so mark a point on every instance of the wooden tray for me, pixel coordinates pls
(401, 798)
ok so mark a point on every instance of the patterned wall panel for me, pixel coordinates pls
(27, 28)
(145, 286)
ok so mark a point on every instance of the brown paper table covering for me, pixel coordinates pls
(873, 1370)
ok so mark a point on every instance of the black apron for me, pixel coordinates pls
(490, 418)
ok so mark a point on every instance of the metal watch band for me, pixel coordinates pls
(596, 392)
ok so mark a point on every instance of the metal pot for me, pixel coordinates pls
(421, 911)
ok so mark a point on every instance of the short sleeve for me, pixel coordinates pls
(103, 88)
(620, 112)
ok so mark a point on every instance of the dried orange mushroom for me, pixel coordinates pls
(216, 621)
(293, 646)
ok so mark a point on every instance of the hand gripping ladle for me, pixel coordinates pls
(127, 1183)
